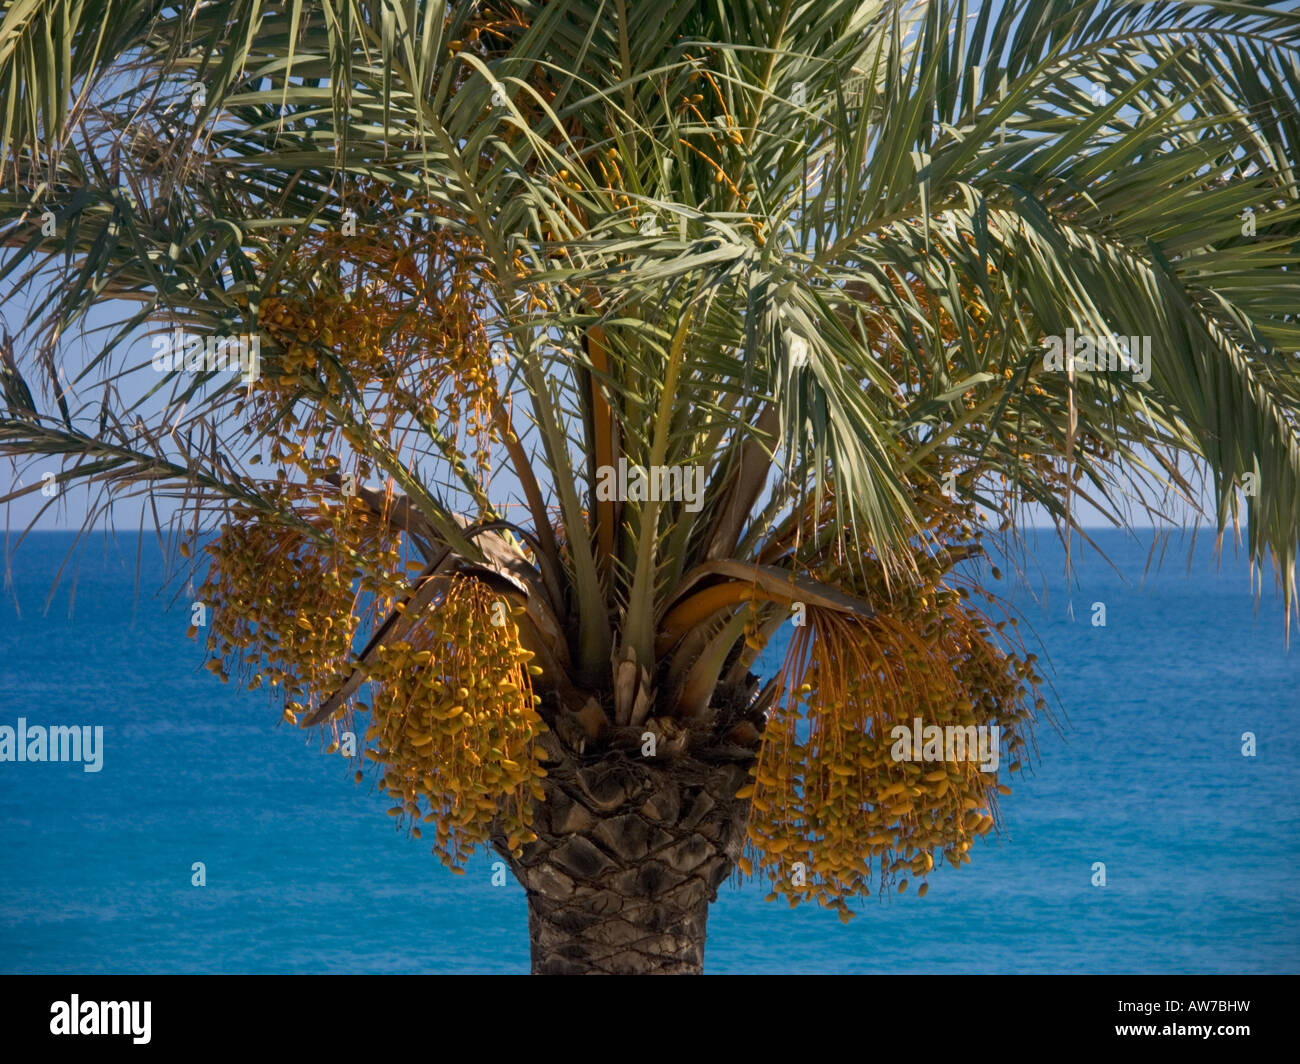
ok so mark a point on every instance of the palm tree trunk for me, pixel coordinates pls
(630, 854)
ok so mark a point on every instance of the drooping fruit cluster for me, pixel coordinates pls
(394, 312)
(838, 792)
(841, 803)
(454, 723)
(285, 601)
(453, 718)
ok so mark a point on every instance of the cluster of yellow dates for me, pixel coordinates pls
(346, 325)
(285, 606)
(454, 724)
(394, 311)
(839, 806)
(453, 720)
(834, 813)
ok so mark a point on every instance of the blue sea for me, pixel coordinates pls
(305, 873)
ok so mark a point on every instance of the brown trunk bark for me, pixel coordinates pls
(630, 853)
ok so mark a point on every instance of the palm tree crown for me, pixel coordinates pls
(596, 342)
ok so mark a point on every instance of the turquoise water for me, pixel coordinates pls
(305, 873)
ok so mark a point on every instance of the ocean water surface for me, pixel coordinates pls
(305, 873)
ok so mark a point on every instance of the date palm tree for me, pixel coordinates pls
(587, 347)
